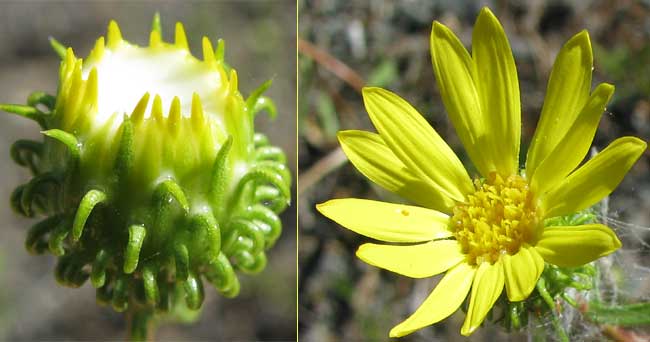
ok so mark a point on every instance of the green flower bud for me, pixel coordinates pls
(150, 174)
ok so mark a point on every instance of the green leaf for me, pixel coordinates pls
(629, 315)
(327, 115)
(383, 75)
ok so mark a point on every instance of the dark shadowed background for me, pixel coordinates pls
(386, 44)
(260, 41)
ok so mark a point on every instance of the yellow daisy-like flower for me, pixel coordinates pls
(488, 233)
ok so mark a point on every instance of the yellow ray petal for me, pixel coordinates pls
(445, 299)
(487, 287)
(416, 143)
(573, 246)
(138, 112)
(114, 36)
(198, 120)
(566, 94)
(596, 179)
(574, 145)
(453, 68)
(174, 116)
(155, 40)
(521, 272)
(498, 89)
(208, 51)
(370, 155)
(180, 39)
(97, 53)
(415, 261)
(386, 221)
(157, 110)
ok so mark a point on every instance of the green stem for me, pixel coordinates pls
(541, 288)
(140, 324)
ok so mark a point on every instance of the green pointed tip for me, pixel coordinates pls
(155, 24)
(69, 140)
(28, 112)
(256, 102)
(137, 235)
(220, 53)
(59, 48)
(88, 203)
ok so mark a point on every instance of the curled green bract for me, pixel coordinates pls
(150, 175)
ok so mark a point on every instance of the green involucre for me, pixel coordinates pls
(147, 206)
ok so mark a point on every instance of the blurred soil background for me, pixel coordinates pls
(260, 41)
(347, 44)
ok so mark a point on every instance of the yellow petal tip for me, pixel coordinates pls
(395, 333)
(197, 111)
(98, 50)
(582, 40)
(437, 28)
(234, 82)
(208, 51)
(156, 110)
(486, 20)
(138, 111)
(180, 39)
(69, 54)
(114, 36)
(361, 250)
(486, 11)
(174, 116)
(321, 207)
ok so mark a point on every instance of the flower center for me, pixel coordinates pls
(496, 219)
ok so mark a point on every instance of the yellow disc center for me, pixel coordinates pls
(496, 219)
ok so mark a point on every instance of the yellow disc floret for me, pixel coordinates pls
(498, 218)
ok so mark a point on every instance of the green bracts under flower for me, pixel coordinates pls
(150, 174)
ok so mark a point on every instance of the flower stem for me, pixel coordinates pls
(140, 324)
(543, 292)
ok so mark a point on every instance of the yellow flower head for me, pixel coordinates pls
(488, 233)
